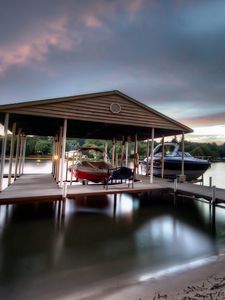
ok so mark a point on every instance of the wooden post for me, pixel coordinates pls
(4, 143)
(147, 161)
(11, 153)
(175, 185)
(53, 155)
(210, 181)
(106, 151)
(202, 180)
(122, 152)
(113, 152)
(21, 154)
(17, 153)
(59, 153)
(127, 148)
(117, 157)
(182, 165)
(152, 156)
(71, 178)
(56, 157)
(64, 194)
(163, 154)
(135, 156)
(24, 153)
(63, 152)
(213, 200)
(67, 164)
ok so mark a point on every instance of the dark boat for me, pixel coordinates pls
(193, 167)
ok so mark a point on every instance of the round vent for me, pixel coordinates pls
(115, 108)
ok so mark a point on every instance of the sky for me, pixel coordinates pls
(168, 54)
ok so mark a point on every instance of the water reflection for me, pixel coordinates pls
(215, 172)
(67, 246)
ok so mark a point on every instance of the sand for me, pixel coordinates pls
(206, 281)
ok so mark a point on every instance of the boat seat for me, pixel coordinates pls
(120, 175)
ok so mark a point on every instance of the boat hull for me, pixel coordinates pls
(172, 168)
(95, 177)
(94, 174)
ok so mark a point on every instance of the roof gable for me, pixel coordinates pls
(97, 107)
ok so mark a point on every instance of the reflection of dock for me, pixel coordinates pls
(42, 187)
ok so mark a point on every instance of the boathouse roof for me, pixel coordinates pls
(103, 115)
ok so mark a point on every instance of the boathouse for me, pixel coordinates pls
(105, 115)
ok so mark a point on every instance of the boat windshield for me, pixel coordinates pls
(168, 150)
(91, 155)
(186, 154)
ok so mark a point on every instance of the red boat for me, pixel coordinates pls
(92, 165)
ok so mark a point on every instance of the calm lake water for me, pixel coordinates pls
(103, 240)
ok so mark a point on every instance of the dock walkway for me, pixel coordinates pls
(31, 187)
(42, 187)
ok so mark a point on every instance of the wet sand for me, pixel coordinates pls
(204, 282)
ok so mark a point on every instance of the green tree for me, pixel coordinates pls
(43, 147)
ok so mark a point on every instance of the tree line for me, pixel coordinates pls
(37, 145)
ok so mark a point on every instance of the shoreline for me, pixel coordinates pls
(206, 281)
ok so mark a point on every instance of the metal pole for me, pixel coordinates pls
(152, 156)
(4, 143)
(17, 153)
(63, 151)
(11, 153)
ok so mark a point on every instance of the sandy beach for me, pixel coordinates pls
(203, 282)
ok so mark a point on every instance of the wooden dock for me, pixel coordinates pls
(42, 187)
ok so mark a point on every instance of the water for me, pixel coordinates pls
(45, 255)
(217, 172)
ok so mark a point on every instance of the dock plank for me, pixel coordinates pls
(31, 187)
(42, 187)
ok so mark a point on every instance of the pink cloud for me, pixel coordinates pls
(99, 10)
(34, 48)
(135, 6)
(216, 119)
(92, 21)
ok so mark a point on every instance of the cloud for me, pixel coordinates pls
(168, 55)
(92, 21)
(207, 120)
(35, 48)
